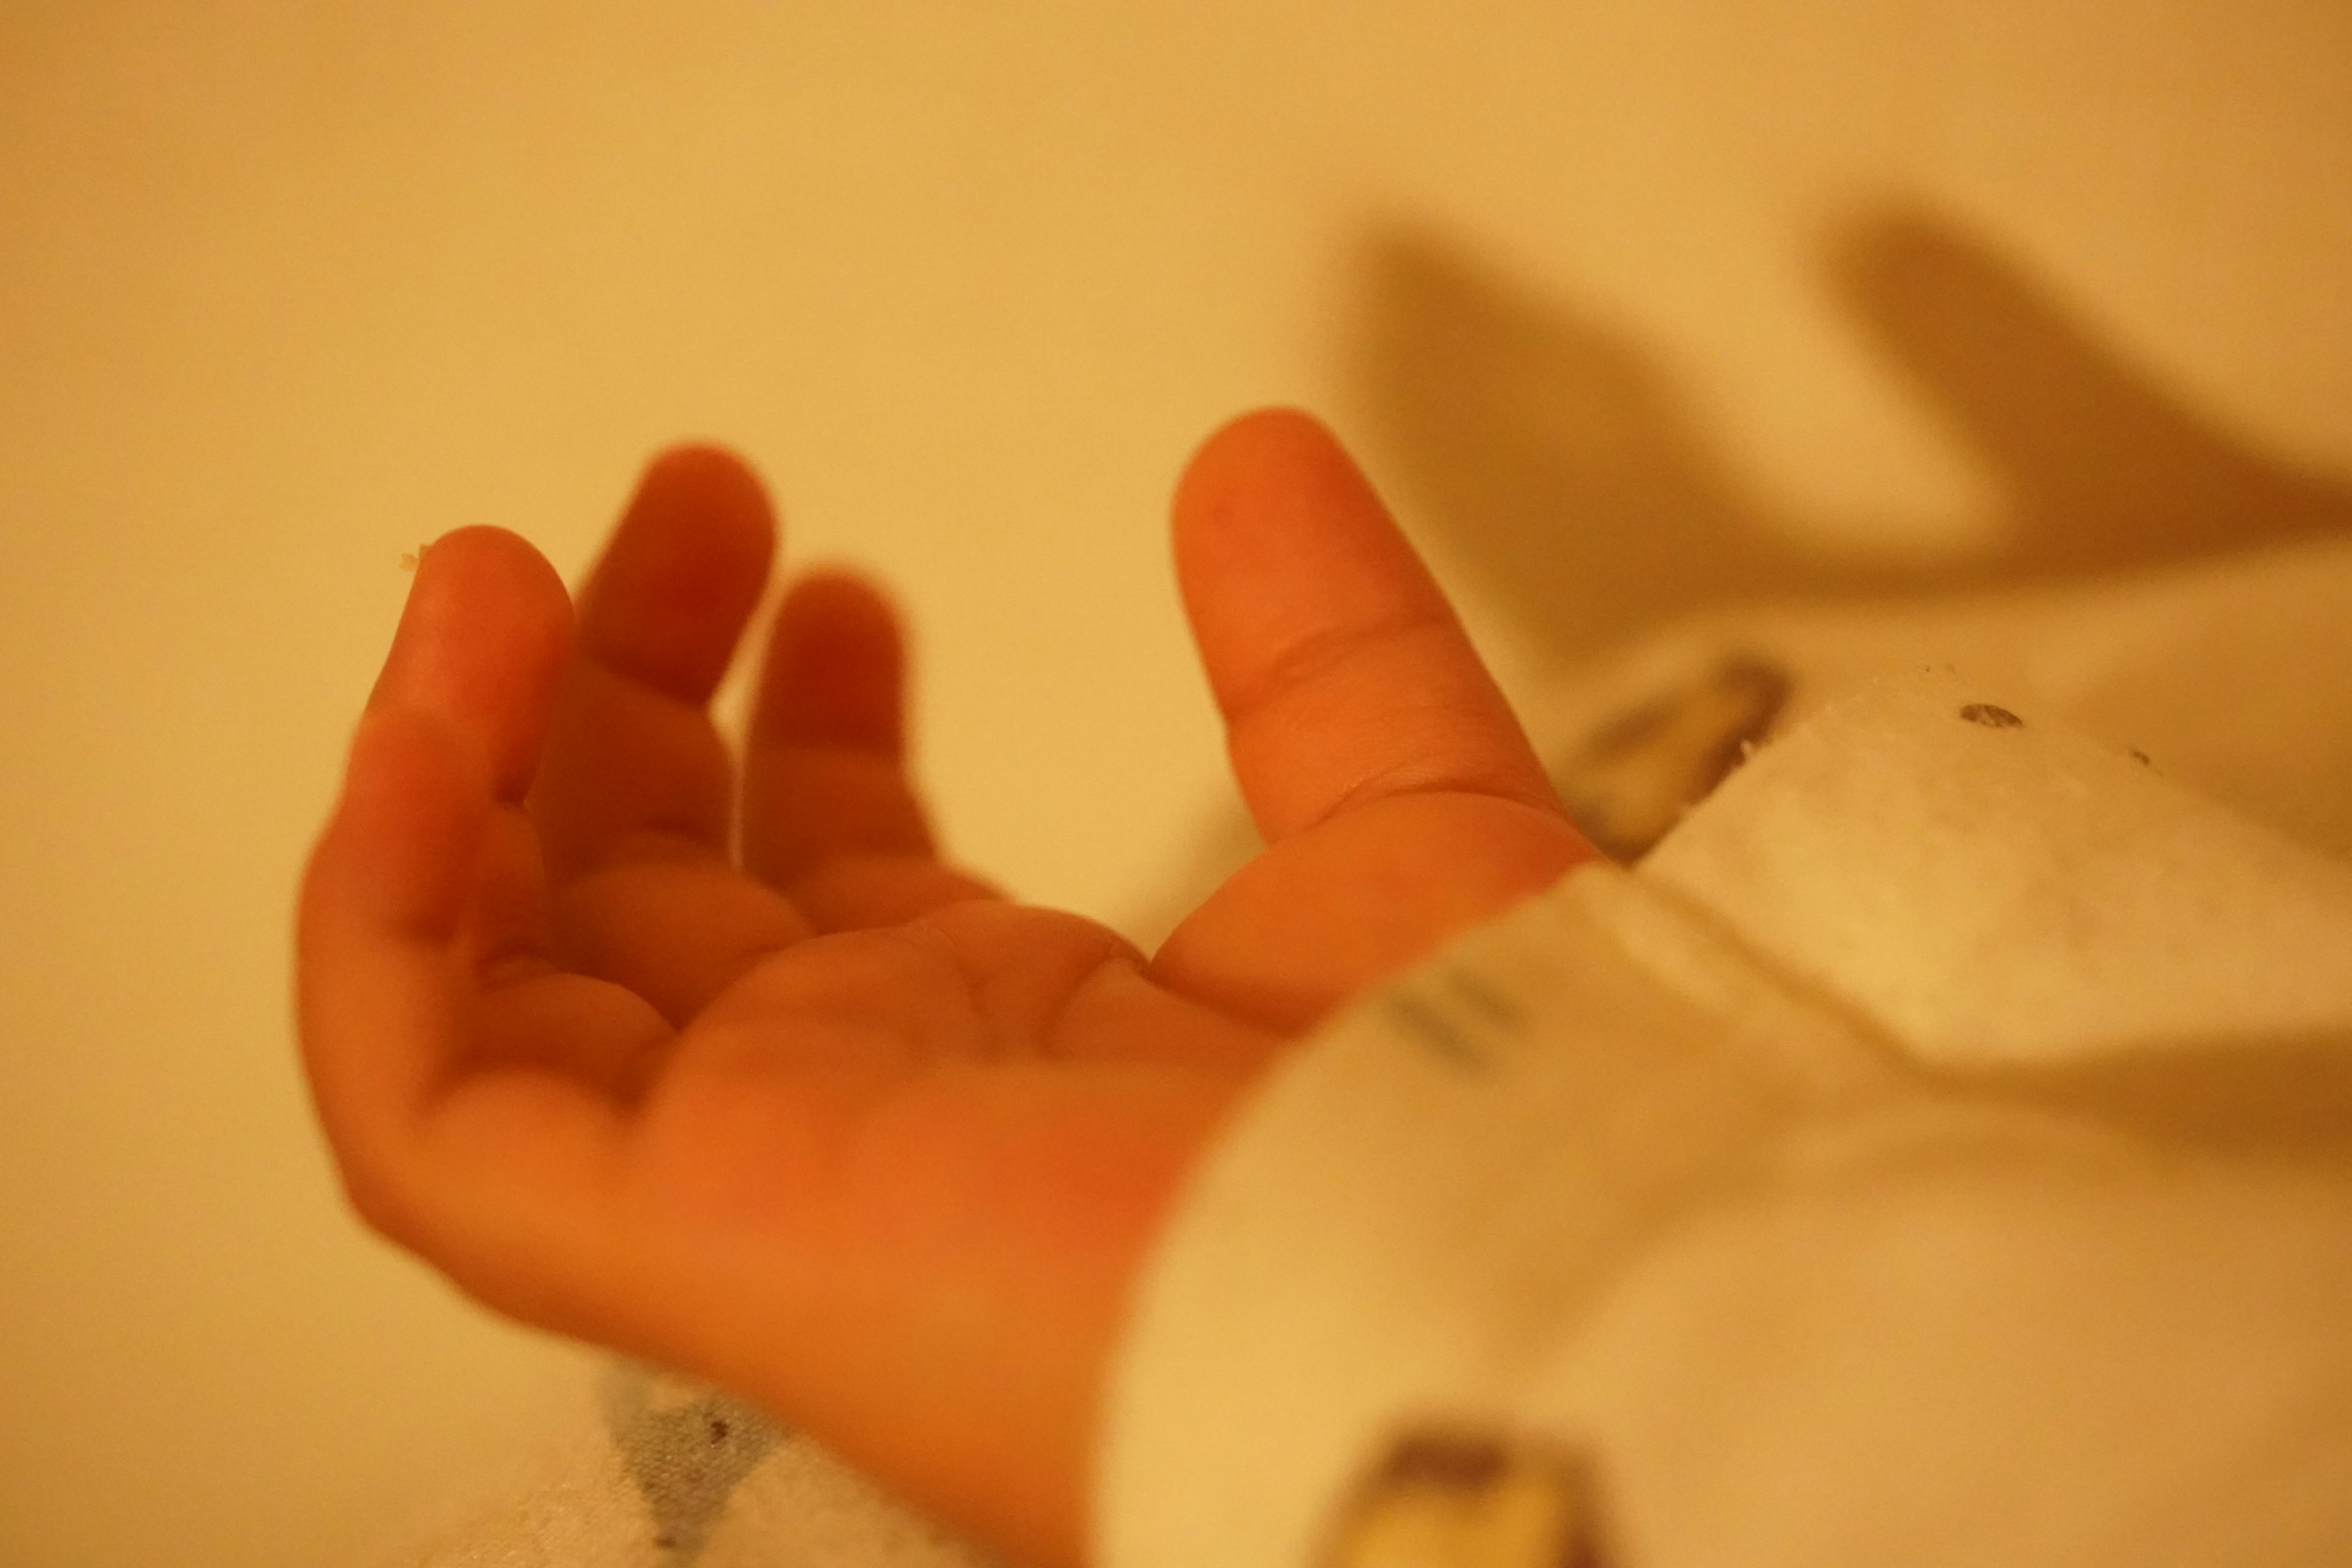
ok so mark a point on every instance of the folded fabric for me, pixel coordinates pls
(1822, 1192)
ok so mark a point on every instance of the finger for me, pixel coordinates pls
(1342, 671)
(829, 813)
(477, 658)
(1379, 888)
(636, 797)
(451, 1096)
(382, 902)
(480, 646)
(433, 828)
(635, 755)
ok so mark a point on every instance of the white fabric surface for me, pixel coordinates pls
(1732, 1178)
(653, 1471)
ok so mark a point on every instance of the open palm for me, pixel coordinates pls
(734, 1073)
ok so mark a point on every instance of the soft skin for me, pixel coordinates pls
(730, 1070)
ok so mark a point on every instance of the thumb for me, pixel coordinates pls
(1342, 673)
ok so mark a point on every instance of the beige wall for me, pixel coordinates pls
(1601, 291)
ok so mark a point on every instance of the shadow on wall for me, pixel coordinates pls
(1562, 465)
(1559, 465)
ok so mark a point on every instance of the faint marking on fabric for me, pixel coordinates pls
(1992, 717)
(687, 1448)
(1484, 999)
(1635, 775)
(1430, 1027)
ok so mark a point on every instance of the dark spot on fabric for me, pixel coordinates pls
(1489, 1003)
(1635, 774)
(1430, 1026)
(687, 1450)
(2142, 758)
(1992, 717)
(1464, 1496)
(1443, 1460)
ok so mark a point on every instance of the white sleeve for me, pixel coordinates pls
(1894, 1169)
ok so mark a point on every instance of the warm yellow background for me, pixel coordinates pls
(287, 288)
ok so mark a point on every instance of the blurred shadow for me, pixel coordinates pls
(1568, 472)
(2271, 1096)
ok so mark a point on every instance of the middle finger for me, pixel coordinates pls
(636, 793)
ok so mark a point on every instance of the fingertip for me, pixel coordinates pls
(718, 488)
(1273, 494)
(825, 777)
(480, 567)
(481, 643)
(1282, 545)
(1275, 428)
(682, 573)
(836, 669)
(838, 597)
(705, 462)
(1247, 449)
(1341, 672)
(484, 547)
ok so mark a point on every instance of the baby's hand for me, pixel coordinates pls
(738, 1076)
